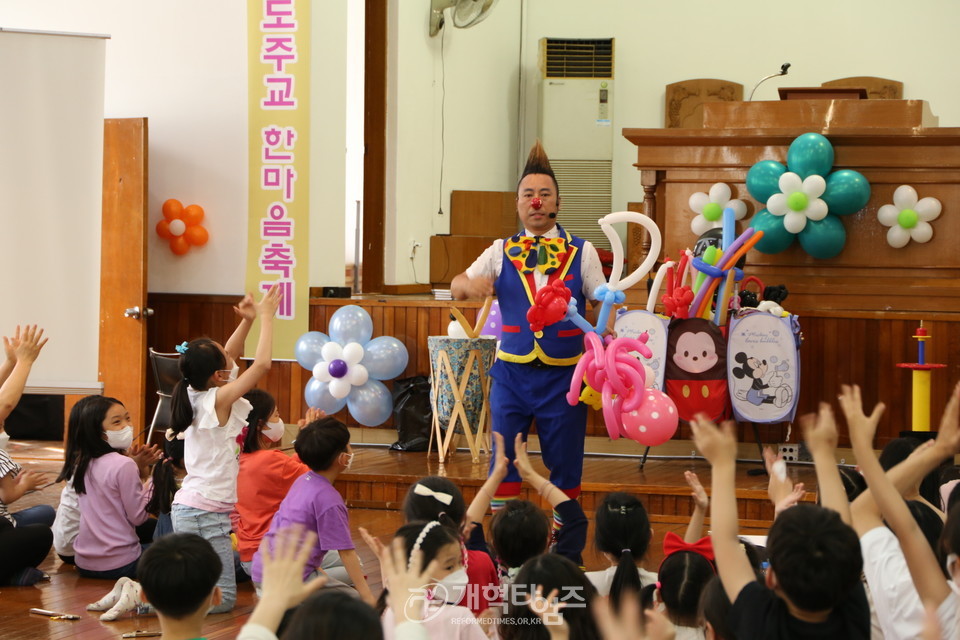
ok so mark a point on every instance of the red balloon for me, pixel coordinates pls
(197, 236)
(192, 215)
(163, 229)
(172, 209)
(179, 245)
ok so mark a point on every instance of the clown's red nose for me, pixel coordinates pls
(536, 203)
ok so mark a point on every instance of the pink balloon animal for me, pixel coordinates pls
(630, 409)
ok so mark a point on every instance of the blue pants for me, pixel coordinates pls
(519, 394)
(215, 529)
(41, 514)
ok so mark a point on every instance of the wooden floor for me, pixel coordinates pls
(373, 490)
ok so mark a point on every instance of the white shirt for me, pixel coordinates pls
(66, 526)
(211, 453)
(895, 599)
(603, 579)
(490, 263)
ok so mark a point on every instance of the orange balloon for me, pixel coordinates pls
(179, 245)
(172, 209)
(192, 214)
(197, 236)
(163, 229)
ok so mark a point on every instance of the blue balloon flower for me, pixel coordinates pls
(804, 199)
(348, 366)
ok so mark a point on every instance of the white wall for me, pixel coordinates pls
(183, 65)
(657, 43)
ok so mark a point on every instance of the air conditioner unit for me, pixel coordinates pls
(576, 112)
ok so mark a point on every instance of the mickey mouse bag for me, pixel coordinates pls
(763, 360)
(696, 371)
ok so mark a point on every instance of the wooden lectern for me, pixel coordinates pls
(859, 308)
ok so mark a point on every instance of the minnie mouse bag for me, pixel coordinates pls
(631, 324)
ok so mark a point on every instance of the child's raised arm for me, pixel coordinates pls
(233, 391)
(820, 434)
(481, 503)
(701, 502)
(247, 310)
(719, 447)
(24, 349)
(923, 565)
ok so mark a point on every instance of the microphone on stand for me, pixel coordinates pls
(783, 71)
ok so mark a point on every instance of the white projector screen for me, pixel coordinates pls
(51, 177)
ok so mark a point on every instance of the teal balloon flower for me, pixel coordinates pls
(804, 198)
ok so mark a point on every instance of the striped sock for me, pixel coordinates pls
(506, 492)
(573, 494)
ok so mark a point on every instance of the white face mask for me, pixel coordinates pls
(349, 461)
(121, 439)
(273, 431)
(233, 372)
(452, 588)
(4, 439)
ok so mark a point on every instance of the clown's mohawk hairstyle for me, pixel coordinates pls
(538, 162)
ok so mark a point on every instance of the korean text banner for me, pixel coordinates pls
(278, 34)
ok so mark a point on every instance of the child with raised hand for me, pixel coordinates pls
(22, 351)
(315, 504)
(933, 589)
(208, 407)
(622, 533)
(266, 473)
(572, 536)
(813, 583)
(437, 498)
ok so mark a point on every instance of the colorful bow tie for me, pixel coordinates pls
(536, 252)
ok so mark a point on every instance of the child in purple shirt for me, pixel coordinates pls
(314, 503)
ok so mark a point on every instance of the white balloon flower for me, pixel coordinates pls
(340, 366)
(709, 208)
(799, 201)
(908, 217)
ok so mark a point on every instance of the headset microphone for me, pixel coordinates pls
(552, 215)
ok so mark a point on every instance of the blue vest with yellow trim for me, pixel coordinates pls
(560, 343)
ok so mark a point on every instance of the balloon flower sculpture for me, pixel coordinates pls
(181, 226)
(630, 407)
(348, 366)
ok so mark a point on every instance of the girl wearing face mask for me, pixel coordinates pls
(266, 473)
(208, 411)
(442, 618)
(113, 491)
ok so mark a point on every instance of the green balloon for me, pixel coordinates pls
(712, 211)
(823, 239)
(797, 201)
(763, 179)
(775, 237)
(847, 192)
(810, 154)
(908, 218)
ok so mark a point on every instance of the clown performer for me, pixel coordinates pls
(533, 371)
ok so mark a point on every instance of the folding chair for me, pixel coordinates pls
(166, 373)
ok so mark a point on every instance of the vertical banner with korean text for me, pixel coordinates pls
(278, 54)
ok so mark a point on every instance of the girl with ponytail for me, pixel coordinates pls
(209, 414)
(623, 536)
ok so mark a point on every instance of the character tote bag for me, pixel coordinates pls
(763, 359)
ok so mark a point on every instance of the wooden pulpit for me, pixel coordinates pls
(859, 309)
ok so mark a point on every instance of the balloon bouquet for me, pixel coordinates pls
(348, 366)
(631, 407)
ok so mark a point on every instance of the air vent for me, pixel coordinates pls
(585, 187)
(566, 58)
